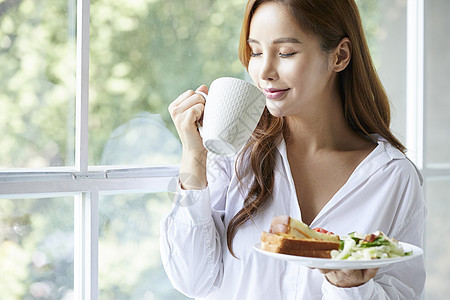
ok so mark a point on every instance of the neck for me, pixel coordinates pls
(324, 128)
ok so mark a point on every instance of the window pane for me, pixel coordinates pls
(37, 83)
(385, 27)
(436, 254)
(129, 258)
(144, 54)
(36, 248)
(437, 87)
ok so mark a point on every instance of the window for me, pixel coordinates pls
(436, 145)
(38, 56)
(88, 153)
(36, 250)
(88, 139)
(129, 242)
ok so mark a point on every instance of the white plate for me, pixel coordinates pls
(327, 263)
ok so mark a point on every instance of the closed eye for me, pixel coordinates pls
(255, 54)
(287, 54)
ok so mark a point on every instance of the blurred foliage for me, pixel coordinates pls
(370, 13)
(36, 248)
(129, 260)
(143, 54)
(37, 83)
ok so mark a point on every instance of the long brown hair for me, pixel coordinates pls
(364, 100)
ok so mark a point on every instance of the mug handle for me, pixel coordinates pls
(200, 127)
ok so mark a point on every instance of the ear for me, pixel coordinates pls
(342, 55)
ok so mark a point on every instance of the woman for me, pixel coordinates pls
(322, 153)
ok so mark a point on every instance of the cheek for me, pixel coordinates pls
(253, 71)
(290, 70)
(294, 76)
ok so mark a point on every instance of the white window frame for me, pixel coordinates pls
(416, 125)
(86, 183)
(415, 82)
(82, 182)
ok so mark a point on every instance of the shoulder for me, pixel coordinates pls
(400, 185)
(400, 165)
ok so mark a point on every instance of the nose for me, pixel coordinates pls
(268, 69)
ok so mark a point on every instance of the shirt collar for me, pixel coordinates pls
(383, 153)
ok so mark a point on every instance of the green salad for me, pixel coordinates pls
(366, 247)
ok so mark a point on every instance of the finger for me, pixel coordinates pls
(349, 272)
(181, 98)
(203, 94)
(198, 111)
(191, 116)
(364, 272)
(203, 88)
(370, 273)
(189, 103)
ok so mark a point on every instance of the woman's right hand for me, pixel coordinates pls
(186, 111)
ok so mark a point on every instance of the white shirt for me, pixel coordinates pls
(383, 193)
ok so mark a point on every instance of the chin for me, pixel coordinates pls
(275, 110)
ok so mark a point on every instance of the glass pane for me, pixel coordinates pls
(437, 87)
(129, 258)
(36, 248)
(385, 27)
(144, 54)
(37, 83)
(436, 253)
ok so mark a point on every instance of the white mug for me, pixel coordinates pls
(232, 111)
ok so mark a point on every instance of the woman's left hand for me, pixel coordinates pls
(348, 278)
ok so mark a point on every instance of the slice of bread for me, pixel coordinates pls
(291, 236)
(294, 246)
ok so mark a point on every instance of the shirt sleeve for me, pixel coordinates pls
(404, 280)
(191, 235)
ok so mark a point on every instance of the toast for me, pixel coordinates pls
(293, 237)
(294, 246)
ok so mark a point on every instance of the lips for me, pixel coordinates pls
(274, 93)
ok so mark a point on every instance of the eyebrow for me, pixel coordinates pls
(277, 41)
